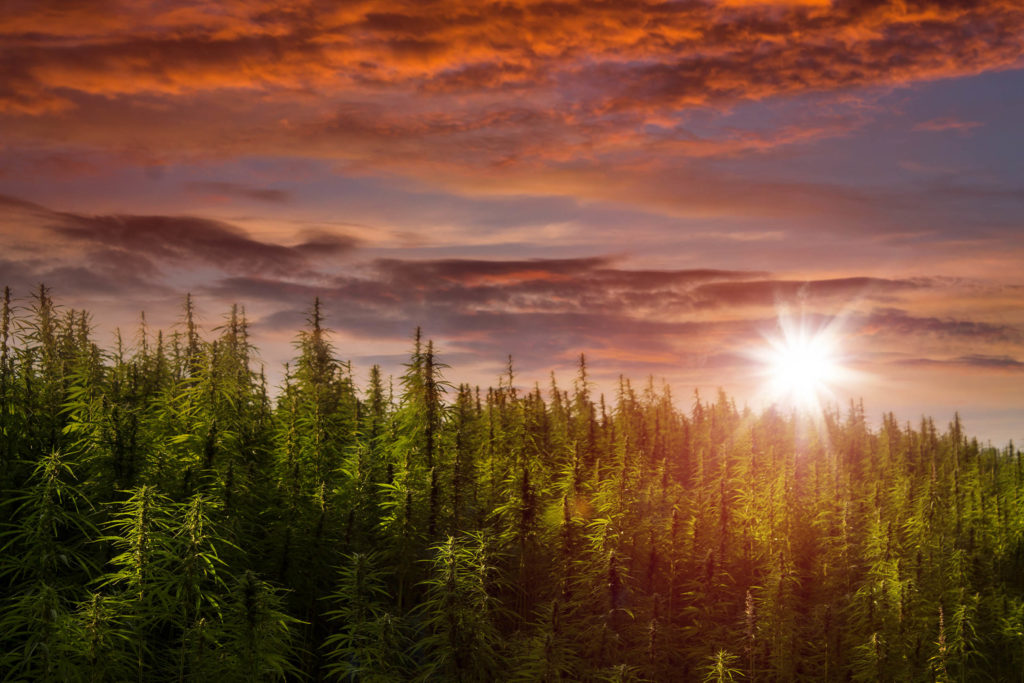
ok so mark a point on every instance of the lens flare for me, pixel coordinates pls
(802, 363)
(801, 370)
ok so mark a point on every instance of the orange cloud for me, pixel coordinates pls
(593, 57)
(521, 96)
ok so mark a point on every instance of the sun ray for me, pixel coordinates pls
(802, 363)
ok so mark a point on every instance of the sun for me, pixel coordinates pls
(802, 370)
(802, 364)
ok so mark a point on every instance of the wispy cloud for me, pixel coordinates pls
(149, 243)
(947, 123)
(976, 361)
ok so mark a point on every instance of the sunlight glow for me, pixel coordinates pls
(802, 364)
(801, 370)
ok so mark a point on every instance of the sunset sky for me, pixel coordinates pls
(649, 183)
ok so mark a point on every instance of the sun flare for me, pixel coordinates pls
(801, 370)
(802, 365)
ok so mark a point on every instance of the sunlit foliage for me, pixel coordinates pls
(168, 516)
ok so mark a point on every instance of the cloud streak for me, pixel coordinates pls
(139, 242)
(975, 361)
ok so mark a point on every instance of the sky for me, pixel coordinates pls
(661, 186)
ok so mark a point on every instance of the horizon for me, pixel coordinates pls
(603, 381)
